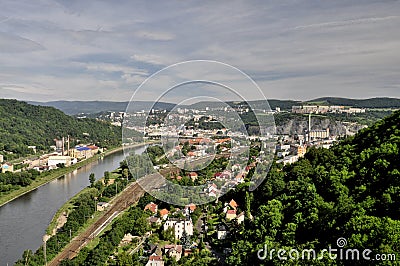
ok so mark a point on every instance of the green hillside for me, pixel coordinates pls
(23, 125)
(350, 191)
(92, 107)
(382, 102)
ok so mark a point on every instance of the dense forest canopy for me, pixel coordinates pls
(23, 125)
(350, 191)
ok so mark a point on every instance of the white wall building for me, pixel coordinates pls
(179, 226)
(54, 160)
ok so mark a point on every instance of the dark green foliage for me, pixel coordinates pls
(23, 125)
(139, 165)
(92, 179)
(185, 240)
(134, 222)
(155, 152)
(351, 191)
(11, 181)
(365, 103)
(204, 123)
(84, 208)
(91, 107)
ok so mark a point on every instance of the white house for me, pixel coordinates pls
(179, 225)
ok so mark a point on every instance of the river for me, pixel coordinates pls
(23, 221)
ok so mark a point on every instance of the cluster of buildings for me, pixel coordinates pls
(66, 158)
(181, 224)
(229, 178)
(290, 152)
(231, 214)
(323, 109)
(290, 149)
(62, 155)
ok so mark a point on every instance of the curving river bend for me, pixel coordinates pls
(23, 221)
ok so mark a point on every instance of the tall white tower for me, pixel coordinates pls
(309, 127)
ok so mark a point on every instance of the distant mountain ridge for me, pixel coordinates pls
(379, 102)
(90, 107)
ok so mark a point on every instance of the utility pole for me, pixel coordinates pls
(63, 140)
(68, 147)
(44, 250)
(309, 127)
(95, 204)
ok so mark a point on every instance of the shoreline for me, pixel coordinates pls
(44, 181)
(58, 213)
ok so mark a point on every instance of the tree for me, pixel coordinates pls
(124, 259)
(106, 177)
(168, 234)
(92, 179)
(185, 240)
(125, 173)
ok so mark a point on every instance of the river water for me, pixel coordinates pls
(23, 221)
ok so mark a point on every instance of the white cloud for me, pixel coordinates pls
(115, 68)
(346, 22)
(81, 50)
(150, 59)
(16, 44)
(155, 36)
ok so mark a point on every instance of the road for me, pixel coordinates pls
(126, 198)
(143, 239)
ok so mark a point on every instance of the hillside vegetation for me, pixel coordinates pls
(350, 191)
(23, 125)
(382, 102)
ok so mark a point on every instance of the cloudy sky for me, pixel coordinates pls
(103, 50)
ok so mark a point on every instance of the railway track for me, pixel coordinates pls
(126, 198)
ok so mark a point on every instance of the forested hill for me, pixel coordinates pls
(351, 190)
(382, 102)
(23, 125)
(93, 107)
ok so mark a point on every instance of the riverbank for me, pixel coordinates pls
(64, 209)
(67, 206)
(40, 181)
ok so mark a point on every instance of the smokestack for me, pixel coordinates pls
(309, 127)
(63, 140)
(68, 147)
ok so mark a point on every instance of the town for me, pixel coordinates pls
(190, 148)
(177, 232)
(62, 156)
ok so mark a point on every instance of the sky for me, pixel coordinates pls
(103, 50)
